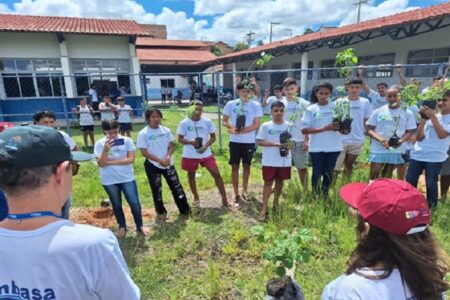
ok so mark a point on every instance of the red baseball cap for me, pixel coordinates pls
(392, 205)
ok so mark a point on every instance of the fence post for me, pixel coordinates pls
(217, 80)
(143, 91)
(64, 103)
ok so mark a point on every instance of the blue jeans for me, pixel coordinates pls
(432, 170)
(322, 170)
(130, 191)
(3, 206)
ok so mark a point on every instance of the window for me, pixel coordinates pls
(427, 56)
(103, 72)
(31, 77)
(168, 82)
(331, 73)
(383, 62)
(297, 75)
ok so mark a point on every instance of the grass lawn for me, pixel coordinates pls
(213, 254)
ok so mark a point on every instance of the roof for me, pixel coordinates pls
(181, 56)
(371, 25)
(22, 23)
(168, 43)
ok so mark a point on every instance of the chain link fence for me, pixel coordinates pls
(22, 94)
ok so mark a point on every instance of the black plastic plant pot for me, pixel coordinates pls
(345, 126)
(240, 122)
(199, 141)
(285, 136)
(430, 104)
(394, 141)
(284, 151)
(336, 121)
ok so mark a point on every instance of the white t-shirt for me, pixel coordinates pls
(68, 140)
(269, 131)
(124, 113)
(106, 112)
(114, 174)
(156, 142)
(293, 113)
(251, 109)
(377, 100)
(63, 260)
(432, 148)
(357, 287)
(359, 110)
(93, 94)
(85, 116)
(190, 130)
(271, 100)
(384, 120)
(317, 116)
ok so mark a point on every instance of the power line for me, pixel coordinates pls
(360, 3)
(271, 26)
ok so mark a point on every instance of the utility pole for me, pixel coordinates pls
(290, 31)
(271, 26)
(360, 3)
(249, 37)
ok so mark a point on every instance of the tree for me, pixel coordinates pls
(308, 31)
(215, 50)
(240, 46)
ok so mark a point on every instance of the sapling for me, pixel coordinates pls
(436, 92)
(285, 136)
(394, 140)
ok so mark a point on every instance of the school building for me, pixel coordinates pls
(415, 37)
(51, 62)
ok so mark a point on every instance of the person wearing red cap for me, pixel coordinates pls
(396, 256)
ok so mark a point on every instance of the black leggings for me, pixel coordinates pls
(154, 178)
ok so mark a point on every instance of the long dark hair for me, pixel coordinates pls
(316, 88)
(418, 257)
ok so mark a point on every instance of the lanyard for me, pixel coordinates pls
(36, 214)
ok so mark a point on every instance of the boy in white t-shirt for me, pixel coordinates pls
(276, 155)
(125, 113)
(294, 109)
(86, 120)
(360, 110)
(197, 134)
(48, 118)
(242, 117)
(107, 109)
(268, 100)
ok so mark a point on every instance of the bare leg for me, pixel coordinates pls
(375, 170)
(387, 171)
(303, 175)
(235, 180)
(85, 134)
(92, 137)
(401, 171)
(348, 164)
(267, 190)
(128, 133)
(215, 173)
(245, 177)
(278, 189)
(193, 185)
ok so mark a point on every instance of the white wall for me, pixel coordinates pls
(96, 46)
(28, 45)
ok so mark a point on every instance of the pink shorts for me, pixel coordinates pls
(272, 173)
(191, 164)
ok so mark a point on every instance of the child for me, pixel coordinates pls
(276, 156)
(242, 139)
(294, 107)
(430, 150)
(325, 142)
(48, 118)
(360, 110)
(86, 121)
(397, 255)
(197, 134)
(384, 123)
(268, 100)
(107, 109)
(115, 156)
(125, 113)
(156, 144)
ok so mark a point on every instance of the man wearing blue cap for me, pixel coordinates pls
(42, 255)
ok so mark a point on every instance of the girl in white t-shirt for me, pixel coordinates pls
(86, 120)
(115, 156)
(325, 142)
(156, 144)
(389, 127)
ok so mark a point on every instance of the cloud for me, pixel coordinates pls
(225, 20)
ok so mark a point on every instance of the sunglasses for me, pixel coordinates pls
(75, 166)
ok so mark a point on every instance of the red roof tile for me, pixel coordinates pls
(379, 23)
(169, 43)
(21, 23)
(186, 56)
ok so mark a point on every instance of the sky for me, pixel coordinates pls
(221, 20)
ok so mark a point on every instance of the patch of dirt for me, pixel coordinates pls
(104, 217)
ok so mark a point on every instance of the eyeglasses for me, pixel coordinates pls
(75, 166)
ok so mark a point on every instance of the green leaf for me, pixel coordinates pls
(281, 271)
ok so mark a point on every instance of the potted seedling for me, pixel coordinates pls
(199, 140)
(394, 140)
(410, 94)
(285, 249)
(436, 92)
(285, 136)
(341, 116)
